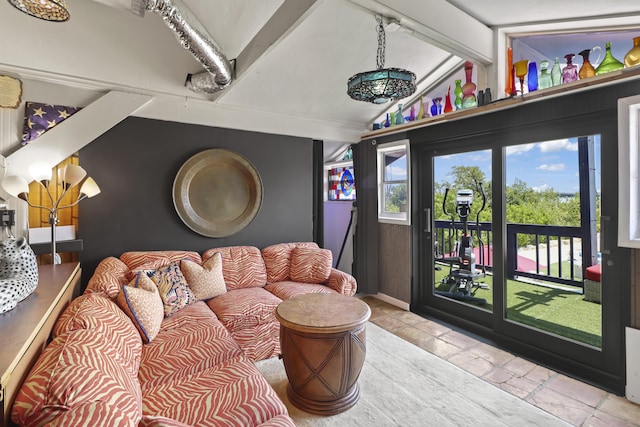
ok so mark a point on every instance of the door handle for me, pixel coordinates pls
(427, 213)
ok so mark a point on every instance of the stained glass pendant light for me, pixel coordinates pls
(383, 84)
(49, 10)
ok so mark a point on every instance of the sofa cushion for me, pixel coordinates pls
(189, 342)
(93, 414)
(96, 311)
(173, 287)
(205, 281)
(309, 265)
(231, 393)
(141, 301)
(77, 367)
(108, 277)
(243, 308)
(242, 266)
(259, 342)
(277, 259)
(135, 259)
(287, 289)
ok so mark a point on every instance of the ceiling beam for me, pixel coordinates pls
(439, 23)
(288, 16)
(72, 134)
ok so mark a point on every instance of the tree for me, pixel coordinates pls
(397, 197)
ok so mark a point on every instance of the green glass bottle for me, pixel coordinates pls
(556, 73)
(544, 80)
(458, 92)
(609, 63)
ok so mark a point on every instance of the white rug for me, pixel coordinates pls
(403, 385)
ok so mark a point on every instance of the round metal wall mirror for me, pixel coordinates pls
(217, 192)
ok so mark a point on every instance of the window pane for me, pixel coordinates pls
(395, 166)
(548, 189)
(395, 198)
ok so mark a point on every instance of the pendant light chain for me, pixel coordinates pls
(383, 84)
(382, 42)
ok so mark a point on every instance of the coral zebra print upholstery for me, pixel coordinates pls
(197, 371)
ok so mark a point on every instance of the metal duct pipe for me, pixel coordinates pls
(194, 37)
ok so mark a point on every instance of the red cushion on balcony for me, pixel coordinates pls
(593, 273)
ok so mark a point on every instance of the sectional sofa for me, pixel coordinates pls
(169, 338)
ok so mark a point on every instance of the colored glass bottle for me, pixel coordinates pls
(387, 121)
(448, 107)
(436, 108)
(421, 110)
(556, 73)
(570, 71)
(458, 93)
(586, 69)
(399, 115)
(510, 86)
(633, 56)
(532, 77)
(469, 88)
(609, 63)
(412, 113)
(544, 79)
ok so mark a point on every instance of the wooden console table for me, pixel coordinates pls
(323, 340)
(26, 329)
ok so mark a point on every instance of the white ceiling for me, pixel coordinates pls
(294, 86)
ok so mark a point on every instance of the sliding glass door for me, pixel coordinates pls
(552, 204)
(515, 239)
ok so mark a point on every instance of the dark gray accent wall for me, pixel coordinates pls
(135, 164)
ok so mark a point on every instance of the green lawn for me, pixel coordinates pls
(557, 311)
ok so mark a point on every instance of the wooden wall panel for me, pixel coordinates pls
(395, 261)
(68, 216)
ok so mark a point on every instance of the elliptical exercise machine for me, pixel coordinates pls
(463, 275)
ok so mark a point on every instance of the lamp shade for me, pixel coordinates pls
(72, 175)
(49, 10)
(89, 188)
(15, 185)
(40, 171)
(381, 85)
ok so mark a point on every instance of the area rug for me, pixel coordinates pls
(403, 385)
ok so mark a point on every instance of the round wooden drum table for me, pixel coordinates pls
(323, 342)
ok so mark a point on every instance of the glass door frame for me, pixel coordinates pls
(604, 366)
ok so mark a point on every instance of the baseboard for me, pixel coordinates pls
(393, 301)
(633, 364)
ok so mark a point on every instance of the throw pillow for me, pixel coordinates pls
(309, 265)
(173, 288)
(205, 281)
(141, 301)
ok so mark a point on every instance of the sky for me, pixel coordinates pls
(550, 164)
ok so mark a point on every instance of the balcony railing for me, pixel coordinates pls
(552, 257)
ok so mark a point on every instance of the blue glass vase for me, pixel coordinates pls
(532, 77)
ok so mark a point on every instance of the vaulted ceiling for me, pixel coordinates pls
(292, 58)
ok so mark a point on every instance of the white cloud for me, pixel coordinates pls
(558, 145)
(553, 167)
(541, 188)
(519, 149)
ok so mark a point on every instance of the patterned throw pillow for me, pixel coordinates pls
(141, 301)
(173, 288)
(310, 265)
(205, 281)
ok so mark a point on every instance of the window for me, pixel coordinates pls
(393, 183)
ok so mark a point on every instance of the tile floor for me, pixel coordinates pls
(577, 403)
